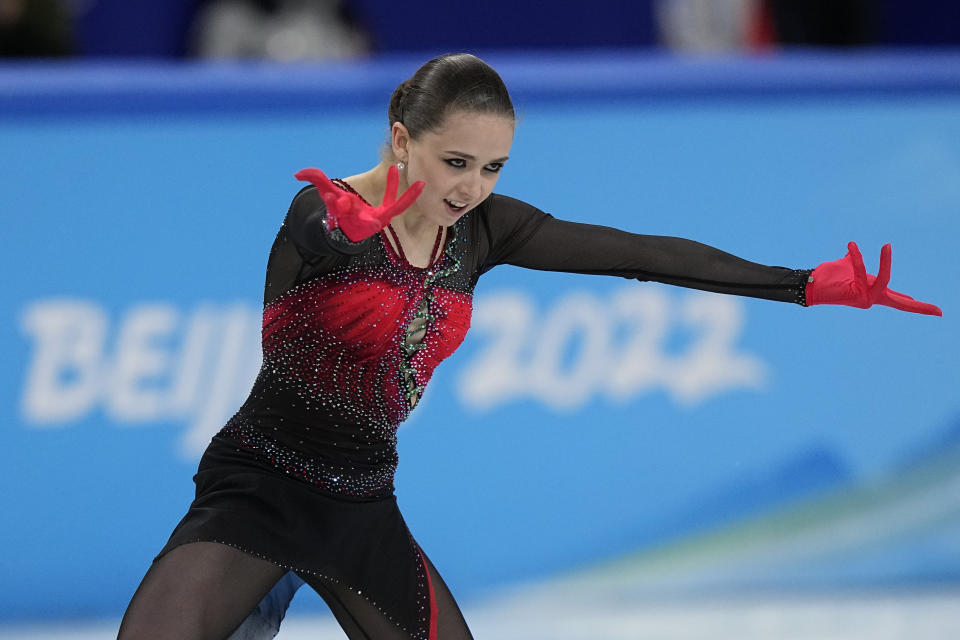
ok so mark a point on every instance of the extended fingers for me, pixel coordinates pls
(385, 213)
(315, 176)
(883, 275)
(904, 302)
(856, 261)
(407, 198)
(328, 191)
(309, 174)
(339, 203)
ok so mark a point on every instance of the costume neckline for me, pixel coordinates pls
(434, 255)
(397, 252)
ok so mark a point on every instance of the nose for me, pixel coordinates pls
(472, 186)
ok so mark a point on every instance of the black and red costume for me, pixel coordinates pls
(302, 475)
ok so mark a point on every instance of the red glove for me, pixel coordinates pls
(846, 281)
(349, 213)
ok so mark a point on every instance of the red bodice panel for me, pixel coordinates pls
(341, 339)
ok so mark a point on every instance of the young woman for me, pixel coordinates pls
(365, 294)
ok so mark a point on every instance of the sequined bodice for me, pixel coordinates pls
(346, 357)
(363, 343)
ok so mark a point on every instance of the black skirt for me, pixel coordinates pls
(359, 548)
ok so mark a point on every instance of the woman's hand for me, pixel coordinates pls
(846, 281)
(349, 213)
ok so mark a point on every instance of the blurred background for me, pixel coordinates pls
(602, 458)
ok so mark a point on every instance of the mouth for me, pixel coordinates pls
(455, 207)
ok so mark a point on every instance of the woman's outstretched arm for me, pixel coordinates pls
(523, 236)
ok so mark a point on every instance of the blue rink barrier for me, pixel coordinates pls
(110, 89)
(634, 437)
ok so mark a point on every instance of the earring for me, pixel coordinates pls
(401, 166)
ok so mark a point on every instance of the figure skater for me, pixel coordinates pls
(365, 294)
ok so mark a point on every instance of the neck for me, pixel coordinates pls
(414, 224)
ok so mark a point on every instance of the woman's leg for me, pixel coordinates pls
(197, 591)
(362, 620)
(450, 622)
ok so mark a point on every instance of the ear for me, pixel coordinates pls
(399, 139)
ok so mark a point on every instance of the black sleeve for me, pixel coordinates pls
(306, 224)
(304, 248)
(524, 236)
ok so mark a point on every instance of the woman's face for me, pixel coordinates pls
(459, 162)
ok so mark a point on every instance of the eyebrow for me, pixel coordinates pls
(467, 156)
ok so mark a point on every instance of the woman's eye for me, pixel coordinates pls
(494, 167)
(459, 163)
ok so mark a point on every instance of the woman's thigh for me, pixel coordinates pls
(364, 620)
(200, 590)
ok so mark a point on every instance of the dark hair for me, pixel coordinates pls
(452, 82)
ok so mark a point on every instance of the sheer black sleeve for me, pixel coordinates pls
(522, 235)
(304, 248)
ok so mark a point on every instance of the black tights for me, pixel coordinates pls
(362, 621)
(204, 590)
